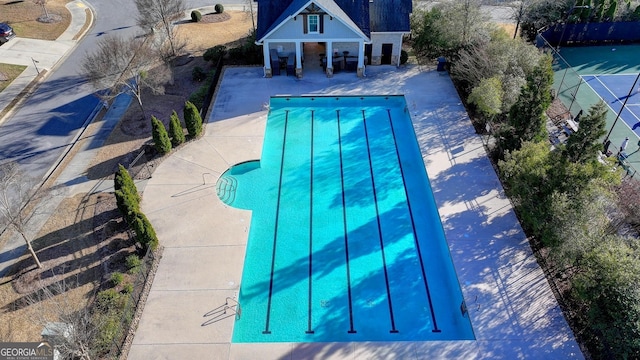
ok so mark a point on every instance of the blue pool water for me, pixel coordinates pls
(345, 242)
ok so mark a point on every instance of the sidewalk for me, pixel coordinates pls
(40, 55)
(45, 55)
(72, 179)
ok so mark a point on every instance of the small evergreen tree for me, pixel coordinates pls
(126, 192)
(122, 179)
(192, 119)
(127, 204)
(145, 234)
(583, 145)
(175, 130)
(161, 140)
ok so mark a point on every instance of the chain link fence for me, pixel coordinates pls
(134, 305)
(576, 95)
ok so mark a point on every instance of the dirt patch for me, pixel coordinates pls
(215, 18)
(557, 110)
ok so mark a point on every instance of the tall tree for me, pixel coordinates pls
(508, 59)
(162, 13)
(609, 286)
(448, 27)
(526, 176)
(250, 10)
(527, 116)
(429, 41)
(520, 10)
(543, 14)
(583, 145)
(16, 190)
(120, 66)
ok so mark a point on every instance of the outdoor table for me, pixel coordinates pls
(351, 63)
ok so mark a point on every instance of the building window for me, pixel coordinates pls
(313, 24)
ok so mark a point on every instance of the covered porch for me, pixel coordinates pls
(293, 57)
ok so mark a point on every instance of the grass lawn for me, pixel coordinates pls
(11, 72)
(22, 15)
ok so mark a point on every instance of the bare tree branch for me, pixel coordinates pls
(122, 66)
(43, 3)
(72, 325)
(161, 14)
(16, 189)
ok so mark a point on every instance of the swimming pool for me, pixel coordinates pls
(345, 242)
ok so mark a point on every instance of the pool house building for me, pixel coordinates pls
(347, 35)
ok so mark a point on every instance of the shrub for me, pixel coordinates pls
(404, 56)
(192, 119)
(110, 300)
(122, 179)
(127, 197)
(219, 8)
(175, 130)
(249, 53)
(214, 53)
(161, 141)
(145, 234)
(127, 288)
(198, 74)
(117, 278)
(109, 329)
(236, 54)
(133, 263)
(196, 16)
(197, 97)
(127, 204)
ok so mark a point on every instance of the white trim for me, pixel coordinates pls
(389, 32)
(356, 30)
(339, 40)
(317, 23)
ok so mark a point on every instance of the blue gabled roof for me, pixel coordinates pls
(273, 12)
(390, 15)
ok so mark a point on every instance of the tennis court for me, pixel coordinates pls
(618, 91)
(585, 75)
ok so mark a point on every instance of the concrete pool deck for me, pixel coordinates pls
(511, 306)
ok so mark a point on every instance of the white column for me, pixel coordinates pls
(360, 69)
(329, 58)
(298, 54)
(298, 59)
(267, 59)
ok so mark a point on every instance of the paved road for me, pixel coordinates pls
(38, 133)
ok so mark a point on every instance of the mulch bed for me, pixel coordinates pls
(215, 18)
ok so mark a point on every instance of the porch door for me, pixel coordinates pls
(368, 49)
(387, 50)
